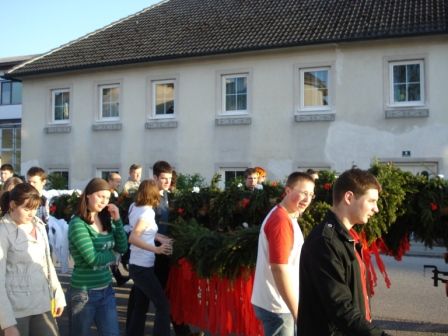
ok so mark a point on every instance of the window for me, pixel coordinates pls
(230, 175)
(109, 102)
(10, 146)
(104, 173)
(315, 89)
(234, 95)
(10, 93)
(406, 83)
(163, 97)
(60, 102)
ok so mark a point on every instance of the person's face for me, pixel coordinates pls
(22, 214)
(37, 182)
(135, 174)
(299, 196)
(261, 179)
(97, 201)
(115, 181)
(363, 207)
(5, 174)
(163, 180)
(251, 181)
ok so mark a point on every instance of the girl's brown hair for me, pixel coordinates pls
(23, 193)
(148, 194)
(95, 184)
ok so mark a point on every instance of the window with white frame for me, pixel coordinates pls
(104, 173)
(10, 93)
(60, 105)
(229, 175)
(109, 102)
(406, 83)
(163, 98)
(315, 91)
(234, 94)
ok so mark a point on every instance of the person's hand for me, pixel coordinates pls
(11, 331)
(114, 211)
(165, 248)
(164, 239)
(58, 311)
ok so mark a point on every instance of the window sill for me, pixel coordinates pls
(53, 129)
(231, 121)
(397, 113)
(108, 126)
(307, 117)
(161, 124)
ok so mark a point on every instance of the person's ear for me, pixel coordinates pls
(12, 205)
(349, 196)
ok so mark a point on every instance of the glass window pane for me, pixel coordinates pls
(413, 73)
(230, 86)
(400, 92)
(106, 110)
(241, 85)
(18, 135)
(399, 74)
(230, 103)
(241, 102)
(114, 110)
(7, 138)
(414, 92)
(160, 109)
(315, 88)
(170, 107)
(7, 156)
(6, 93)
(16, 93)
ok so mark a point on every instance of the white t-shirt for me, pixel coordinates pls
(141, 257)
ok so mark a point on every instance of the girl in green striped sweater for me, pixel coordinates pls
(96, 237)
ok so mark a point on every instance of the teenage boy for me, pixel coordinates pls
(6, 171)
(135, 174)
(276, 284)
(37, 177)
(250, 179)
(333, 290)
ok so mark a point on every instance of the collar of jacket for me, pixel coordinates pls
(11, 227)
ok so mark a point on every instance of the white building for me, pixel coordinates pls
(221, 86)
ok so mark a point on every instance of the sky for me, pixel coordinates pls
(38, 26)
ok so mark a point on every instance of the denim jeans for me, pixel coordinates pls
(93, 305)
(275, 324)
(146, 281)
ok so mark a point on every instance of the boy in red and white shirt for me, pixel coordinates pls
(276, 285)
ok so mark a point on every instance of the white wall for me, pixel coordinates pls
(359, 133)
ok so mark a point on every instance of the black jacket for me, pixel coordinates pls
(331, 298)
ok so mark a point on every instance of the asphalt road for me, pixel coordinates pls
(412, 305)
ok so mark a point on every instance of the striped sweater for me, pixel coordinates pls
(93, 252)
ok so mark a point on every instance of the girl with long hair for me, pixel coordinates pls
(96, 238)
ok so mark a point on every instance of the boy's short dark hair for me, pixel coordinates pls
(135, 166)
(355, 180)
(295, 177)
(250, 171)
(37, 171)
(7, 166)
(161, 167)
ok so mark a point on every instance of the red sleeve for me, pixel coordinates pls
(280, 236)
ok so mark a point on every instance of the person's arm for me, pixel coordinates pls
(79, 236)
(7, 318)
(120, 236)
(135, 239)
(281, 274)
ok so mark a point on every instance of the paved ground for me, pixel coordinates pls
(426, 315)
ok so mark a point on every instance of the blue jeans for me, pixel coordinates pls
(93, 305)
(275, 324)
(146, 281)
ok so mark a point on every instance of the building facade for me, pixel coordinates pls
(325, 105)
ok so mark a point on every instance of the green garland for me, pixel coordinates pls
(217, 230)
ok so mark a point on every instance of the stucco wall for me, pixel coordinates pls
(274, 140)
